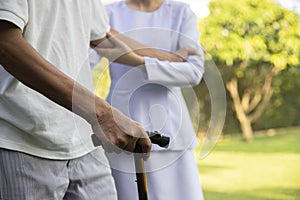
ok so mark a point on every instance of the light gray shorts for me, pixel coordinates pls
(26, 177)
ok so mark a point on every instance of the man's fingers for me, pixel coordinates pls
(146, 145)
(119, 133)
(131, 145)
(122, 143)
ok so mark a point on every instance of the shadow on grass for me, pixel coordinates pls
(257, 194)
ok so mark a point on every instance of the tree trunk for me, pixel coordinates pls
(245, 121)
(246, 129)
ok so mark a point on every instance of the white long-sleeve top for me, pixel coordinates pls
(154, 97)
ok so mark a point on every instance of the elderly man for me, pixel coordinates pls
(47, 109)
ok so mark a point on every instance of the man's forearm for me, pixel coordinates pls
(23, 62)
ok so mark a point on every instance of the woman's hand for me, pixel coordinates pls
(182, 54)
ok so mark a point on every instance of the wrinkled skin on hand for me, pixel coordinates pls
(118, 133)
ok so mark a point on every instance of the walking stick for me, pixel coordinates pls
(141, 178)
(140, 173)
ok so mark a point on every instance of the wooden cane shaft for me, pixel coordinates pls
(141, 178)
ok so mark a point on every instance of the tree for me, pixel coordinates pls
(251, 41)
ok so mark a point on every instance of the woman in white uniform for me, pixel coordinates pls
(152, 96)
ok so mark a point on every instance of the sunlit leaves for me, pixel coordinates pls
(258, 30)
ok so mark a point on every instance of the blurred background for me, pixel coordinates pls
(256, 46)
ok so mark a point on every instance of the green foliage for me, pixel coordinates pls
(246, 39)
(285, 105)
(256, 31)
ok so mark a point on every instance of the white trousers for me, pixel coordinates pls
(171, 175)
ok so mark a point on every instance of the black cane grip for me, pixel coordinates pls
(159, 139)
(155, 138)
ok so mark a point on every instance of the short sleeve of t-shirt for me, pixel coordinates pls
(100, 21)
(14, 11)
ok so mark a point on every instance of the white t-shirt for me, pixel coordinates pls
(60, 30)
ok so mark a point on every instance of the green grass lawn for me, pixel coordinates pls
(266, 169)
